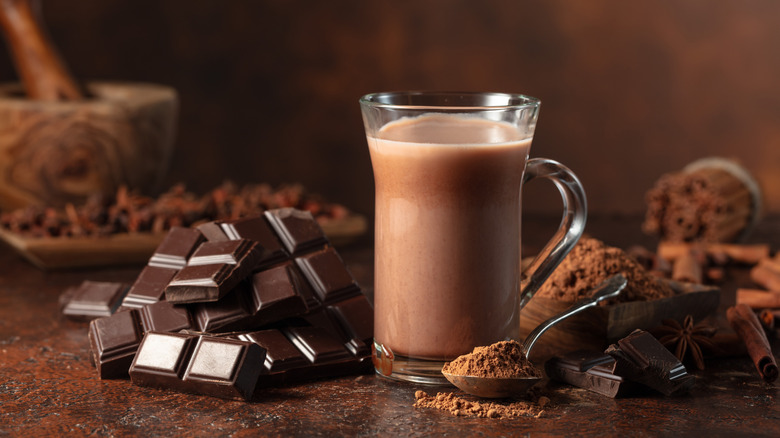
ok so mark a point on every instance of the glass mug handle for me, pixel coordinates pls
(575, 212)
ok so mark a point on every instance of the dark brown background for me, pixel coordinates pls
(269, 89)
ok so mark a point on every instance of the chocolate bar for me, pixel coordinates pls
(115, 339)
(641, 358)
(92, 299)
(216, 366)
(149, 287)
(593, 371)
(297, 229)
(176, 247)
(214, 269)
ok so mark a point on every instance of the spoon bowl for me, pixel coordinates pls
(493, 387)
(504, 387)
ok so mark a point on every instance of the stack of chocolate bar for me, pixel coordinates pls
(231, 306)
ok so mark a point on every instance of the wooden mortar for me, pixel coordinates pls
(62, 142)
(54, 152)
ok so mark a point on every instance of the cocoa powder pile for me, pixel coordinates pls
(459, 406)
(590, 263)
(502, 359)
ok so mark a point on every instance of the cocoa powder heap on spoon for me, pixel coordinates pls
(504, 359)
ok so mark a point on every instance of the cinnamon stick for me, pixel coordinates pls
(738, 253)
(758, 298)
(744, 321)
(767, 274)
(688, 268)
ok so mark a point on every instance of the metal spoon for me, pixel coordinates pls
(495, 387)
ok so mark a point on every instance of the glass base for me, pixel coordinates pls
(407, 369)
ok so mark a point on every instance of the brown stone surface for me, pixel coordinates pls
(49, 387)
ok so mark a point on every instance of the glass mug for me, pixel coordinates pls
(448, 170)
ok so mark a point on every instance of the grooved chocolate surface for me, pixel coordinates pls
(176, 247)
(149, 287)
(49, 387)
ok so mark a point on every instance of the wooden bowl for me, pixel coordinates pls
(597, 327)
(52, 153)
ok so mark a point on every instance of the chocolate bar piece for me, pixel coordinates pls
(176, 248)
(281, 354)
(268, 296)
(215, 366)
(641, 358)
(593, 371)
(93, 299)
(297, 229)
(298, 353)
(149, 287)
(257, 229)
(115, 339)
(328, 275)
(213, 270)
(356, 318)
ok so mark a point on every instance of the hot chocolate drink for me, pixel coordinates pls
(447, 233)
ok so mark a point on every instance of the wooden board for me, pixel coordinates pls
(132, 249)
(598, 326)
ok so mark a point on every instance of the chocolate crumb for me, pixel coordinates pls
(504, 359)
(590, 263)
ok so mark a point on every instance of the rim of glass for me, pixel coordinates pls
(513, 100)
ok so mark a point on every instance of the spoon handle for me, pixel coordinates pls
(608, 289)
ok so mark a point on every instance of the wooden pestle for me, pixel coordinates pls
(41, 70)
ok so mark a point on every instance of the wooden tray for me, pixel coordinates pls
(597, 327)
(132, 249)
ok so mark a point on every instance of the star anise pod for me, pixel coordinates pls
(688, 337)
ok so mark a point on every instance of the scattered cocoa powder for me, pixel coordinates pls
(590, 263)
(502, 359)
(460, 406)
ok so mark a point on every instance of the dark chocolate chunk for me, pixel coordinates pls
(257, 229)
(268, 296)
(164, 316)
(594, 372)
(356, 317)
(114, 341)
(328, 275)
(224, 367)
(176, 248)
(212, 231)
(229, 251)
(161, 360)
(200, 282)
(149, 287)
(316, 344)
(214, 366)
(228, 314)
(641, 358)
(93, 299)
(277, 291)
(298, 230)
(281, 354)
